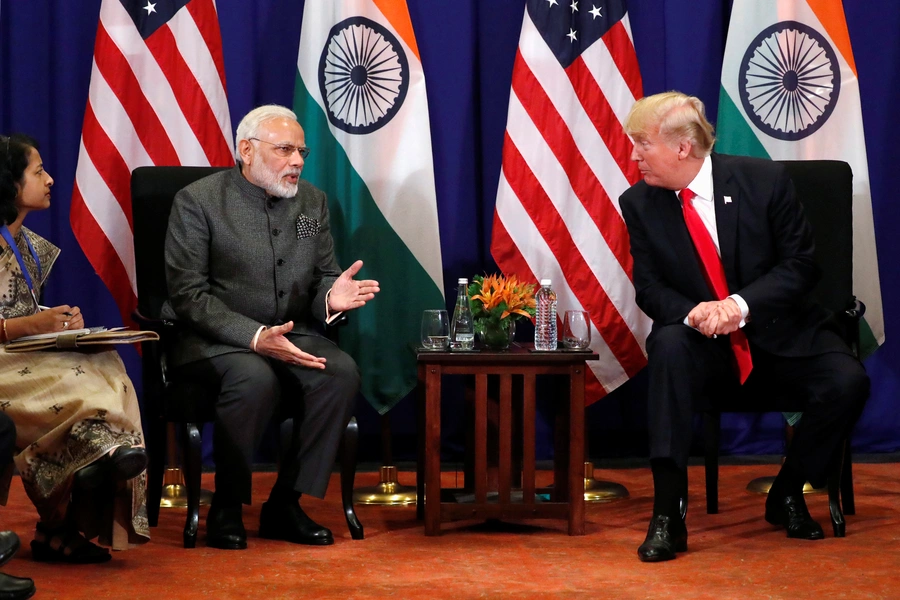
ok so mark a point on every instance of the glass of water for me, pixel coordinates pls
(435, 330)
(577, 330)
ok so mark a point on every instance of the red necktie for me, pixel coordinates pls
(714, 273)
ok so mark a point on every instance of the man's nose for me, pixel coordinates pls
(296, 158)
(634, 153)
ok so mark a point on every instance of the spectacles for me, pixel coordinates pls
(285, 150)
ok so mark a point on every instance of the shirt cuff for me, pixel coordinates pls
(745, 310)
(329, 317)
(256, 337)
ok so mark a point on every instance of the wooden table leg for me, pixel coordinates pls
(433, 450)
(420, 444)
(576, 450)
(504, 476)
(480, 458)
(528, 441)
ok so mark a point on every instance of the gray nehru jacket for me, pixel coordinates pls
(237, 259)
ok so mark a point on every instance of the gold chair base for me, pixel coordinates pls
(601, 491)
(387, 493)
(174, 493)
(761, 485)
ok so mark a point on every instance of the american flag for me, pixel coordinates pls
(157, 97)
(565, 163)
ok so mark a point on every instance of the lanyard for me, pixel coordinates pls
(15, 248)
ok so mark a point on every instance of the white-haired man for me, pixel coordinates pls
(723, 264)
(250, 266)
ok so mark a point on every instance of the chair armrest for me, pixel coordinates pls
(160, 326)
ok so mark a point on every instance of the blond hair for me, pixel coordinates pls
(677, 117)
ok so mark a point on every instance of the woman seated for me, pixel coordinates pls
(77, 419)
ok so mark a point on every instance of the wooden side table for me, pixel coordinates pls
(567, 502)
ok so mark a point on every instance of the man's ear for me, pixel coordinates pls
(245, 149)
(684, 149)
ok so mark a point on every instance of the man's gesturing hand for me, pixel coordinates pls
(347, 293)
(273, 344)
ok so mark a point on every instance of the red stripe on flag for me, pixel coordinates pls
(510, 260)
(578, 274)
(206, 19)
(121, 79)
(506, 253)
(622, 50)
(604, 119)
(189, 95)
(587, 187)
(108, 162)
(102, 256)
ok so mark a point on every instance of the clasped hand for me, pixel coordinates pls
(715, 318)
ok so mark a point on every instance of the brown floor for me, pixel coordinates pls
(734, 554)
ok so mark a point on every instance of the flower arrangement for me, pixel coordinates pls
(496, 302)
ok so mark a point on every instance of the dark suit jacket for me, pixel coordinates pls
(766, 245)
(237, 259)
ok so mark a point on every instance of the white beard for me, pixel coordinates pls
(273, 182)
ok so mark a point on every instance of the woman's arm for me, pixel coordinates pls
(58, 318)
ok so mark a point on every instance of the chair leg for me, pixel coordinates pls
(847, 496)
(192, 472)
(834, 500)
(156, 449)
(711, 433)
(349, 444)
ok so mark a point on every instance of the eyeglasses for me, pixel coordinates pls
(285, 150)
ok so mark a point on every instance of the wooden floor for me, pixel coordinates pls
(734, 554)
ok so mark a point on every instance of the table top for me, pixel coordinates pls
(517, 353)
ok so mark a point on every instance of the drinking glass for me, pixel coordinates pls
(435, 330)
(577, 330)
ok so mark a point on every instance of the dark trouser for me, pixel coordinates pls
(690, 372)
(7, 440)
(254, 389)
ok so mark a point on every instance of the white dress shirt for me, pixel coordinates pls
(702, 186)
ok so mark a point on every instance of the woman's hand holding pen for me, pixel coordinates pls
(57, 318)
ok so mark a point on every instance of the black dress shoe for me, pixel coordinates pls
(225, 528)
(791, 513)
(125, 463)
(287, 521)
(665, 537)
(15, 588)
(9, 545)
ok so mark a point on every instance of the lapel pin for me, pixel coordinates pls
(727, 199)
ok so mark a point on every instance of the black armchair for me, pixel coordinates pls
(825, 188)
(172, 395)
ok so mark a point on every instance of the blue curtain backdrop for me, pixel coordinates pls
(467, 48)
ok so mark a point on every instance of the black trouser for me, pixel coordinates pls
(255, 388)
(690, 372)
(7, 440)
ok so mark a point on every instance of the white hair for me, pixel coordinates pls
(249, 125)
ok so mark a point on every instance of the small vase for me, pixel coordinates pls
(495, 335)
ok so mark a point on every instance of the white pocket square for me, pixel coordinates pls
(727, 199)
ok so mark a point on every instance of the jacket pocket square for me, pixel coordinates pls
(727, 199)
(306, 227)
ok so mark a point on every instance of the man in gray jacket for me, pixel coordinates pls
(250, 265)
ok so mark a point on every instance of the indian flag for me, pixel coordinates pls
(790, 92)
(360, 96)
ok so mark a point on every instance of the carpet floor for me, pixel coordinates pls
(734, 554)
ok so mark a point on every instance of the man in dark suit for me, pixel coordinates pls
(250, 266)
(723, 264)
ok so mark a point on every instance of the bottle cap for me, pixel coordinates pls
(463, 280)
(545, 282)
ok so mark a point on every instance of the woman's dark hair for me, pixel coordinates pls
(15, 152)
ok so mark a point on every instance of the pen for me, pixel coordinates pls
(41, 308)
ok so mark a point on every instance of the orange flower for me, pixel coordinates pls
(498, 297)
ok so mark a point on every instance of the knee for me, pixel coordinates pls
(255, 383)
(853, 386)
(672, 343)
(344, 375)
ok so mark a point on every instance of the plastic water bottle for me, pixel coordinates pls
(462, 328)
(545, 318)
